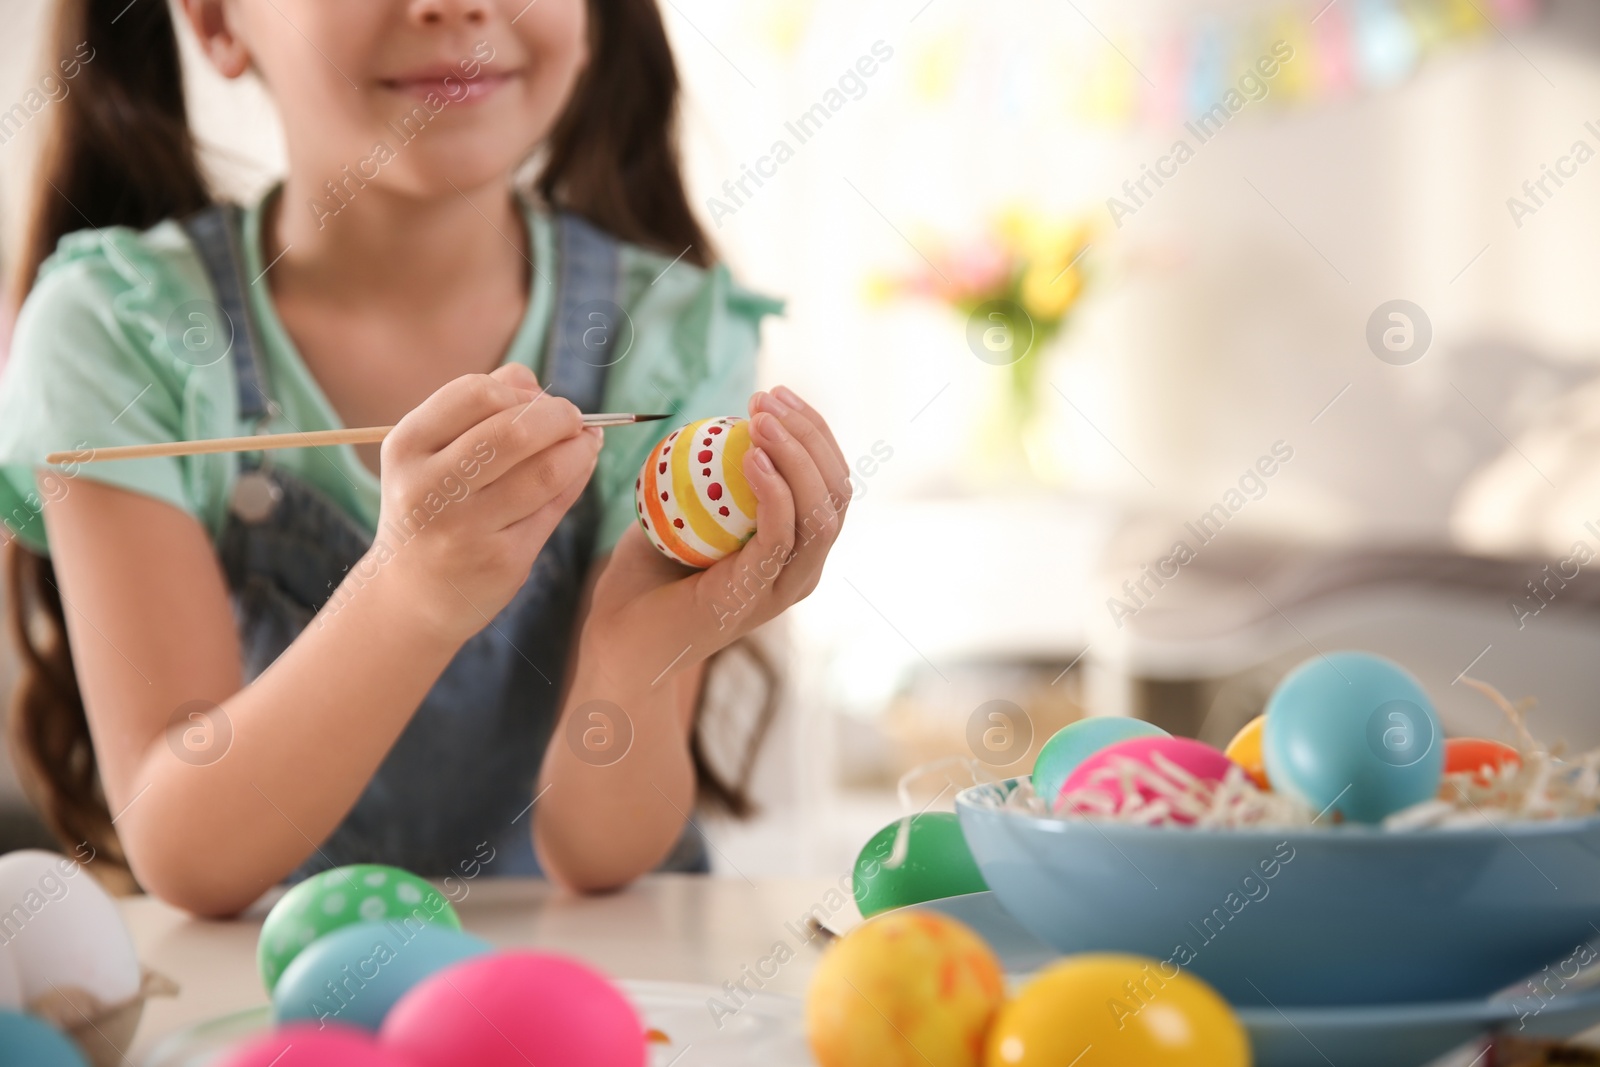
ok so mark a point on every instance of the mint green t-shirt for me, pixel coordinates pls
(97, 360)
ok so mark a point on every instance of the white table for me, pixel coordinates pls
(681, 928)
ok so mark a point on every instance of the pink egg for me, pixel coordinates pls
(510, 1009)
(313, 1045)
(1103, 772)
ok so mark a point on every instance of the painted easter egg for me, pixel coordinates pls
(1117, 1011)
(355, 974)
(912, 989)
(511, 1009)
(58, 931)
(1353, 734)
(1245, 750)
(1164, 764)
(1479, 756)
(25, 1039)
(361, 892)
(937, 864)
(1076, 742)
(691, 496)
(312, 1045)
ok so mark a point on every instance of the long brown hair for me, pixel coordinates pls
(119, 152)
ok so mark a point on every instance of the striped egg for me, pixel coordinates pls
(692, 497)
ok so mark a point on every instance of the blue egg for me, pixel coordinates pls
(355, 974)
(1076, 742)
(1353, 733)
(24, 1039)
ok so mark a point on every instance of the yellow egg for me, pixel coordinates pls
(1108, 1010)
(908, 989)
(1245, 750)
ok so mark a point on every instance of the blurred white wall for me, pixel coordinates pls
(1217, 328)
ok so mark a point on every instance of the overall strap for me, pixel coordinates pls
(589, 330)
(214, 232)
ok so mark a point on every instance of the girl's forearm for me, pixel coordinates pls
(603, 820)
(307, 735)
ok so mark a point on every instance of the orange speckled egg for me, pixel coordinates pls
(907, 989)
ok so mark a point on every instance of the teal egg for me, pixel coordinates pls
(1076, 742)
(938, 864)
(343, 896)
(356, 973)
(1353, 733)
(25, 1039)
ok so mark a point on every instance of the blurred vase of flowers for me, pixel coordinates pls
(1015, 284)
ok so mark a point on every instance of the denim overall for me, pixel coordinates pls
(462, 773)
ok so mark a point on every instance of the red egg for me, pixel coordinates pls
(1161, 763)
(313, 1045)
(510, 1009)
(1478, 754)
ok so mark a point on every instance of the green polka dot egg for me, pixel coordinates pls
(362, 892)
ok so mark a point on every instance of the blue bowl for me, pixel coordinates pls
(1339, 916)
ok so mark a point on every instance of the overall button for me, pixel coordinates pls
(255, 496)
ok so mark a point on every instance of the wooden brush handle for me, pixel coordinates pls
(361, 435)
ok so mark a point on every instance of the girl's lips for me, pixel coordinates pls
(455, 88)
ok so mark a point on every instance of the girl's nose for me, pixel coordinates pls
(443, 12)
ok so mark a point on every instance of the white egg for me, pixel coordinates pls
(59, 929)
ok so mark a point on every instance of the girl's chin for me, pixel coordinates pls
(444, 176)
(464, 155)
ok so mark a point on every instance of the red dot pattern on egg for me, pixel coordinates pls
(705, 456)
(714, 490)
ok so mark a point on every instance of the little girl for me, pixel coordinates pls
(283, 661)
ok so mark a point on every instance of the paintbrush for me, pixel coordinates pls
(361, 435)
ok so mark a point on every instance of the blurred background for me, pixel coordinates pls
(1304, 287)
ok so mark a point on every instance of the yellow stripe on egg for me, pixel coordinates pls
(733, 453)
(688, 494)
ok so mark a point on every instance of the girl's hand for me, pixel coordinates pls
(474, 481)
(654, 615)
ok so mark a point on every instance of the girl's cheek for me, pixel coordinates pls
(559, 37)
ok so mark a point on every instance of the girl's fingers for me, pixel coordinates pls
(756, 566)
(542, 522)
(459, 403)
(815, 515)
(812, 432)
(503, 440)
(539, 481)
(795, 401)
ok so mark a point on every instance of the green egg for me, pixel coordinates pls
(937, 864)
(361, 892)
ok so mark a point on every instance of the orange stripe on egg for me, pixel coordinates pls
(707, 528)
(733, 467)
(663, 526)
